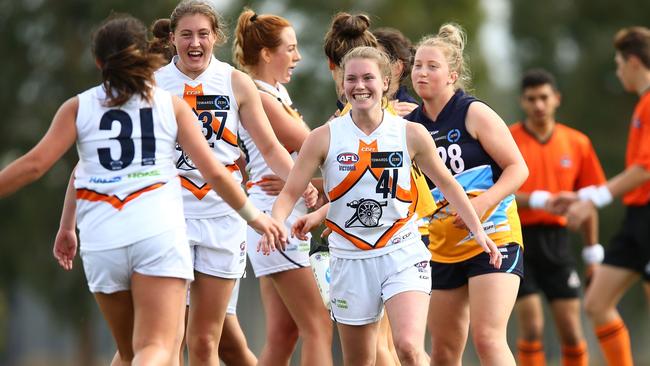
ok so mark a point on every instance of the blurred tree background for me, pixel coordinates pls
(48, 316)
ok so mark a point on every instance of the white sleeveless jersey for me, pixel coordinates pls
(256, 166)
(212, 99)
(126, 182)
(368, 182)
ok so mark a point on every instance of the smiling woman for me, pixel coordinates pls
(378, 258)
(128, 197)
(222, 98)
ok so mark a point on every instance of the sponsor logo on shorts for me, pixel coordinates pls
(242, 248)
(423, 270)
(340, 303)
(422, 266)
(303, 246)
(291, 247)
(574, 280)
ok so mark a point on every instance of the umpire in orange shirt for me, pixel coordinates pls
(628, 254)
(561, 160)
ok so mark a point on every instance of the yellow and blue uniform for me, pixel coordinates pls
(476, 172)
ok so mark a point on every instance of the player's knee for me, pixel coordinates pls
(408, 351)
(594, 306)
(282, 337)
(532, 332)
(202, 346)
(487, 341)
(320, 328)
(445, 353)
(152, 351)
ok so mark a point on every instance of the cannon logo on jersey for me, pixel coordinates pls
(184, 161)
(367, 212)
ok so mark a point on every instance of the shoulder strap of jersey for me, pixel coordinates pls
(262, 87)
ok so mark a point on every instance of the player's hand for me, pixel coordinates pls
(578, 212)
(559, 203)
(274, 235)
(271, 184)
(403, 108)
(65, 248)
(310, 196)
(304, 224)
(488, 246)
(479, 207)
(326, 233)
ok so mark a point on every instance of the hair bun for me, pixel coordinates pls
(352, 25)
(161, 28)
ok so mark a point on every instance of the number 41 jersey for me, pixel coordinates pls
(368, 182)
(476, 172)
(127, 184)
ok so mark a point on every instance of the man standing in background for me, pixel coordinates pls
(560, 160)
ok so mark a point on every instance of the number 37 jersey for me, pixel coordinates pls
(476, 172)
(212, 100)
(126, 183)
(368, 182)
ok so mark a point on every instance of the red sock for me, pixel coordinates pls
(614, 341)
(575, 355)
(531, 353)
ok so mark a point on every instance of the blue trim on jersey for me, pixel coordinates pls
(479, 178)
(500, 213)
(514, 264)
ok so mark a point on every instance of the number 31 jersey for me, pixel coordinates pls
(476, 172)
(368, 182)
(212, 100)
(126, 183)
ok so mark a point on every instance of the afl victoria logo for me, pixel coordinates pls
(347, 158)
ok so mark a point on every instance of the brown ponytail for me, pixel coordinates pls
(253, 33)
(161, 42)
(120, 47)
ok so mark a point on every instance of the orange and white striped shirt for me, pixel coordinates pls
(213, 101)
(368, 182)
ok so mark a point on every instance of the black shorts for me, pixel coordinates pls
(445, 276)
(549, 262)
(630, 247)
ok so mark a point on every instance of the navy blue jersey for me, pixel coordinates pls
(402, 95)
(476, 172)
(457, 148)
